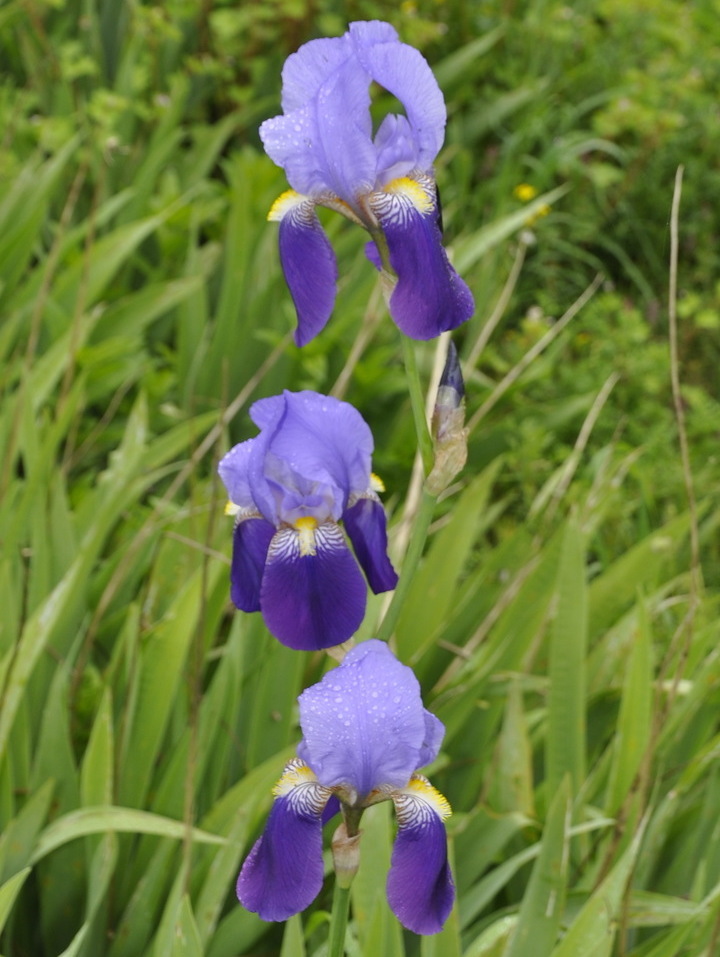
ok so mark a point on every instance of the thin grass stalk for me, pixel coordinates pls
(371, 318)
(502, 303)
(695, 568)
(514, 374)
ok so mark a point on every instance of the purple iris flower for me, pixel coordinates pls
(366, 733)
(289, 488)
(324, 141)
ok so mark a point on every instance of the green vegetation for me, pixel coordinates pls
(563, 620)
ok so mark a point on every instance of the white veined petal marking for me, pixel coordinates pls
(419, 802)
(302, 789)
(401, 197)
(304, 538)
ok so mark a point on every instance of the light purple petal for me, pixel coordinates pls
(429, 297)
(267, 414)
(366, 527)
(326, 144)
(434, 734)
(233, 470)
(310, 269)
(364, 723)
(323, 441)
(251, 540)
(404, 72)
(367, 32)
(312, 453)
(312, 601)
(397, 152)
(283, 873)
(420, 888)
(308, 68)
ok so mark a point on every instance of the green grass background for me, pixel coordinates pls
(563, 622)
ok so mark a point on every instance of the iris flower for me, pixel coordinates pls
(289, 488)
(324, 141)
(366, 733)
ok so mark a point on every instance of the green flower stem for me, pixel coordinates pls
(417, 402)
(338, 921)
(418, 537)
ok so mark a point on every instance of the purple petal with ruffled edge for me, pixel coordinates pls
(326, 144)
(283, 873)
(434, 734)
(429, 297)
(420, 888)
(366, 527)
(364, 723)
(308, 68)
(397, 151)
(251, 540)
(320, 440)
(313, 600)
(404, 72)
(310, 268)
(233, 470)
(268, 415)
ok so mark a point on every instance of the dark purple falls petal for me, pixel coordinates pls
(420, 888)
(312, 598)
(430, 297)
(251, 540)
(283, 873)
(310, 269)
(366, 526)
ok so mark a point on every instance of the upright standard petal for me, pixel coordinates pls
(308, 262)
(323, 440)
(251, 540)
(404, 72)
(308, 68)
(364, 723)
(283, 873)
(434, 734)
(397, 151)
(366, 526)
(420, 888)
(312, 595)
(430, 297)
(233, 470)
(325, 146)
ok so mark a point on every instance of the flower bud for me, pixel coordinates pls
(448, 421)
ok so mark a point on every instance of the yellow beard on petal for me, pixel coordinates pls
(376, 483)
(422, 788)
(284, 203)
(411, 189)
(306, 527)
(295, 773)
